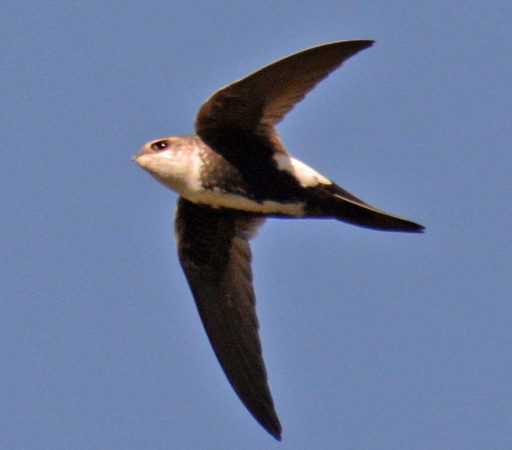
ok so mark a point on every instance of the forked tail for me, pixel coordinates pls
(333, 201)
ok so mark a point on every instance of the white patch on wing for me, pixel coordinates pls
(217, 198)
(306, 176)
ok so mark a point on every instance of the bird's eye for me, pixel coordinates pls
(159, 146)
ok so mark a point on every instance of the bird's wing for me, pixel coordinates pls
(255, 104)
(214, 252)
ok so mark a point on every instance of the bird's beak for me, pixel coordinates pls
(142, 151)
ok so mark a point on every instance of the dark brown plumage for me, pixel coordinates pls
(232, 175)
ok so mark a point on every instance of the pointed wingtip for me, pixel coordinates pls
(268, 420)
(366, 42)
(349, 46)
(275, 431)
(361, 43)
(414, 228)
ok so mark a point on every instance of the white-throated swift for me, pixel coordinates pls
(232, 175)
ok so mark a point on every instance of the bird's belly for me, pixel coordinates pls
(217, 198)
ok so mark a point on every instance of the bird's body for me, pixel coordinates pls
(232, 175)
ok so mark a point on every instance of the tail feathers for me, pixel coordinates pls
(356, 212)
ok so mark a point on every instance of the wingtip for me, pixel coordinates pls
(355, 45)
(270, 422)
(358, 44)
(275, 431)
(367, 42)
(416, 228)
(363, 43)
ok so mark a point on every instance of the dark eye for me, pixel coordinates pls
(159, 146)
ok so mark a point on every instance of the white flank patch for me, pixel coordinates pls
(217, 198)
(306, 176)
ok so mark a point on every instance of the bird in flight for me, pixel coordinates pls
(232, 175)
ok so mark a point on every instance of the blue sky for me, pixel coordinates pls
(372, 340)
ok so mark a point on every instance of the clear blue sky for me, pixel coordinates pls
(372, 340)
